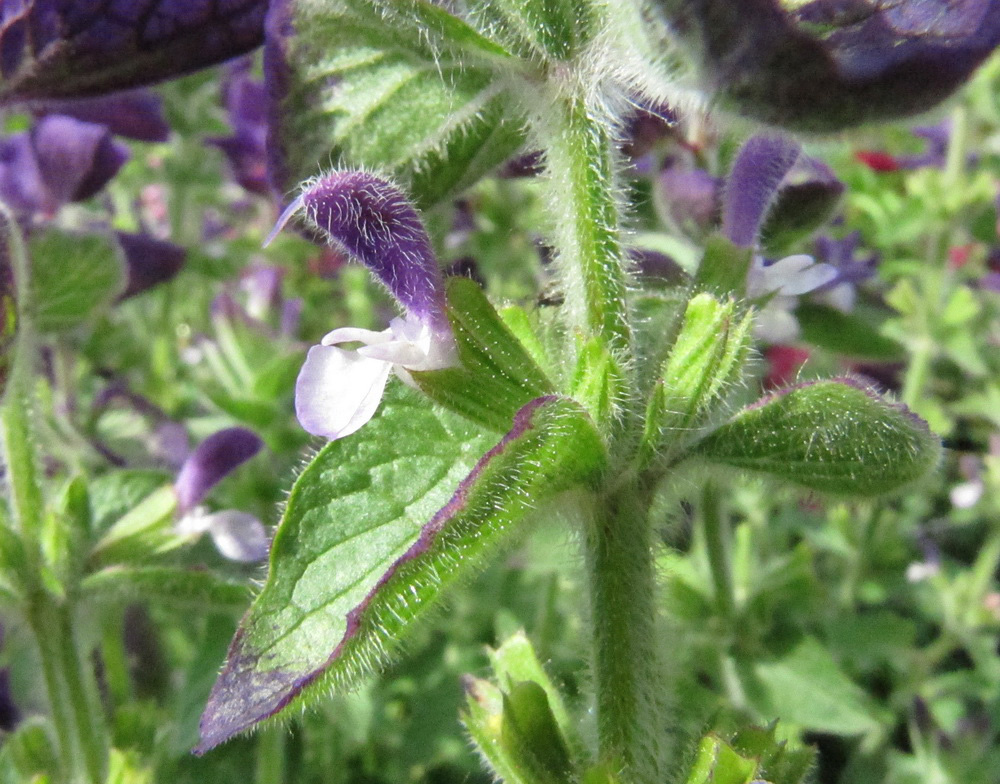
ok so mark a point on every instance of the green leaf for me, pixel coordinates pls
(112, 495)
(849, 334)
(183, 587)
(402, 87)
(496, 375)
(598, 382)
(807, 688)
(141, 533)
(719, 763)
(780, 762)
(355, 561)
(73, 276)
(833, 436)
(539, 29)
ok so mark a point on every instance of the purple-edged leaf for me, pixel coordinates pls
(211, 461)
(402, 86)
(71, 49)
(823, 65)
(752, 185)
(376, 528)
(834, 436)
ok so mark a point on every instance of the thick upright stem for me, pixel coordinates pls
(629, 674)
(581, 182)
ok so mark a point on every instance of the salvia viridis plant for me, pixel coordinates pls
(600, 254)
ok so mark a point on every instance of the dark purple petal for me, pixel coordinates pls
(990, 281)
(74, 48)
(279, 32)
(213, 459)
(21, 184)
(937, 138)
(246, 152)
(149, 261)
(76, 159)
(134, 114)
(830, 64)
(375, 223)
(760, 166)
(842, 254)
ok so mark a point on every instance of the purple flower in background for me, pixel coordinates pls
(149, 261)
(213, 459)
(851, 269)
(937, 138)
(339, 390)
(822, 65)
(133, 114)
(69, 48)
(246, 148)
(59, 160)
(237, 535)
(688, 198)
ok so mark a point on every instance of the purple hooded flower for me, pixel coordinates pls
(752, 186)
(822, 65)
(339, 390)
(74, 48)
(689, 197)
(211, 461)
(149, 261)
(246, 147)
(133, 114)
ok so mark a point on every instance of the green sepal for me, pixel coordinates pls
(705, 363)
(597, 382)
(529, 732)
(67, 536)
(716, 762)
(352, 569)
(521, 727)
(798, 210)
(73, 276)
(30, 750)
(834, 436)
(404, 87)
(779, 761)
(724, 267)
(495, 375)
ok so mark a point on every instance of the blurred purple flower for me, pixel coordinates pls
(246, 147)
(69, 48)
(10, 714)
(238, 536)
(133, 114)
(688, 198)
(149, 261)
(937, 138)
(59, 160)
(823, 65)
(851, 269)
(337, 390)
(214, 458)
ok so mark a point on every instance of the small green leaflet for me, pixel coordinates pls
(403, 87)
(833, 436)
(376, 527)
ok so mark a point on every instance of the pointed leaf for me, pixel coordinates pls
(393, 86)
(833, 436)
(351, 567)
(719, 763)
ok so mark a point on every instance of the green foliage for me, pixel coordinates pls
(399, 87)
(74, 276)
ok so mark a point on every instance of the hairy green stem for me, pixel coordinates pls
(76, 713)
(717, 545)
(629, 673)
(77, 717)
(581, 178)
